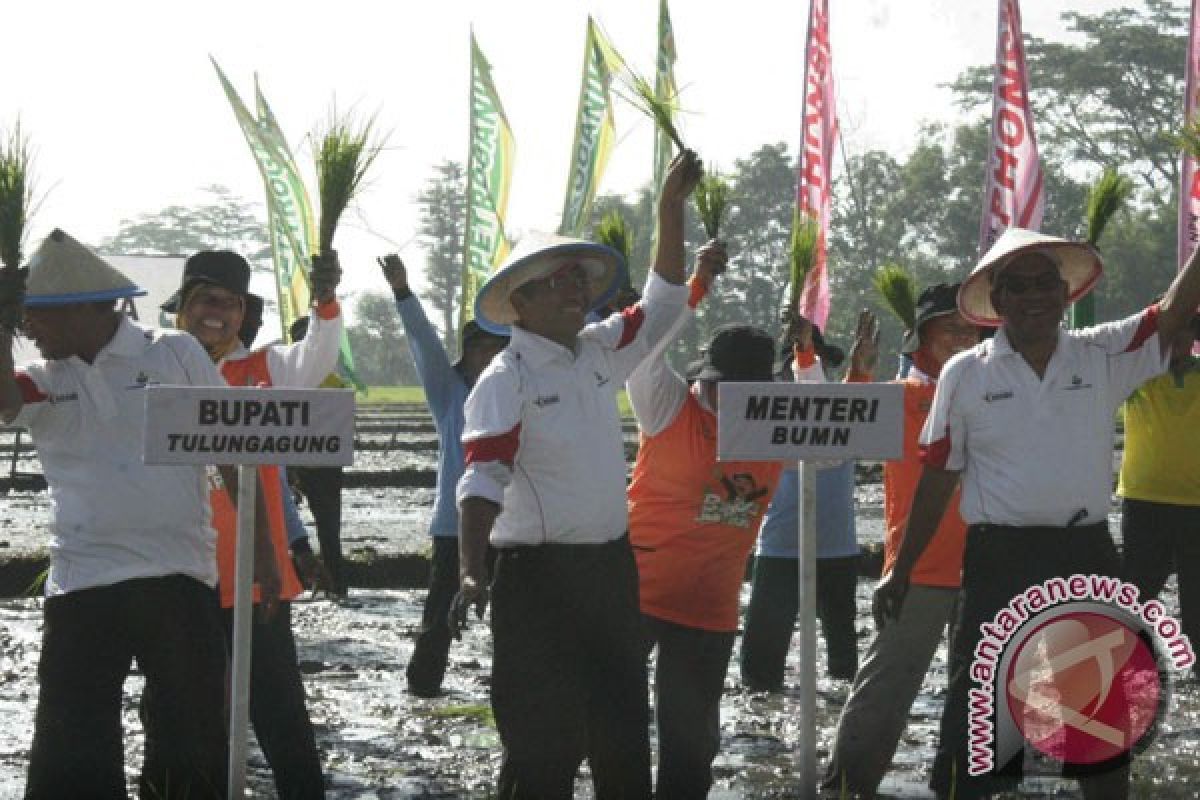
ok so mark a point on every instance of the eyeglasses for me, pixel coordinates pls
(1019, 284)
(567, 275)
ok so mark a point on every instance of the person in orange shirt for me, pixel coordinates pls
(692, 523)
(211, 305)
(883, 691)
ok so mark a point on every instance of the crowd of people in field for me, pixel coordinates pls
(1005, 481)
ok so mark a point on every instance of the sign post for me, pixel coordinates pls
(219, 426)
(809, 423)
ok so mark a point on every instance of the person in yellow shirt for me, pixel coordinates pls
(1160, 482)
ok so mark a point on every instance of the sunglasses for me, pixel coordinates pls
(1018, 284)
(567, 275)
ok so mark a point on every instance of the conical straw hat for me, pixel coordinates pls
(1078, 263)
(536, 256)
(63, 272)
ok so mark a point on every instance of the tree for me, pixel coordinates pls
(443, 204)
(226, 222)
(380, 355)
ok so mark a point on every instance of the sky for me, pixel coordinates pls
(127, 116)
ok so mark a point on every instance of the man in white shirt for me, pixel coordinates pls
(545, 479)
(133, 561)
(1026, 420)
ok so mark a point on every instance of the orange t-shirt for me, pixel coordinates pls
(941, 563)
(693, 521)
(251, 371)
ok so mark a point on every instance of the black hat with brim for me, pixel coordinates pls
(937, 300)
(737, 353)
(222, 268)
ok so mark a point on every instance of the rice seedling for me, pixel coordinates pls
(898, 291)
(344, 149)
(1106, 197)
(16, 203)
(639, 93)
(806, 234)
(614, 231)
(712, 201)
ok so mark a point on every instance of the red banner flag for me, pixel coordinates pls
(1012, 195)
(813, 186)
(1189, 179)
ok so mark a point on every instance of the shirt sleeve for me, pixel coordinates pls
(433, 366)
(1134, 352)
(941, 443)
(491, 435)
(628, 337)
(307, 362)
(657, 392)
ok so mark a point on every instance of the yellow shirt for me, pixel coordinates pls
(1162, 440)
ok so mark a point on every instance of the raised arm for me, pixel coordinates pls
(433, 365)
(1179, 304)
(682, 176)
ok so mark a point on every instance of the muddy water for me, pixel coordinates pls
(377, 741)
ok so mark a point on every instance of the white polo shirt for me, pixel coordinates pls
(542, 436)
(114, 517)
(1039, 452)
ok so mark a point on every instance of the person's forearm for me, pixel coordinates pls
(669, 254)
(476, 515)
(1180, 302)
(932, 496)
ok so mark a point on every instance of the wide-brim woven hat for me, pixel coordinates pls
(536, 256)
(64, 272)
(1079, 265)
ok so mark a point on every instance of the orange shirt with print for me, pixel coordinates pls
(251, 371)
(941, 563)
(693, 521)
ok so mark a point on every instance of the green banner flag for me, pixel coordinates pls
(289, 212)
(595, 130)
(489, 175)
(665, 90)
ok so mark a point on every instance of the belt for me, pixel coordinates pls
(990, 529)
(561, 548)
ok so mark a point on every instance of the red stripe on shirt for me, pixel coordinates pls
(502, 447)
(935, 454)
(1145, 329)
(30, 393)
(633, 317)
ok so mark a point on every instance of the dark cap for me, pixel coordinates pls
(937, 300)
(472, 331)
(223, 268)
(738, 353)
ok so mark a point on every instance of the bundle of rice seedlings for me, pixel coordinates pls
(806, 233)
(614, 231)
(640, 94)
(344, 150)
(16, 203)
(712, 201)
(898, 291)
(1106, 197)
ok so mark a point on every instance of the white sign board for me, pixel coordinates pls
(809, 421)
(227, 425)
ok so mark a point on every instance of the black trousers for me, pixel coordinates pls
(322, 488)
(278, 710)
(431, 651)
(89, 641)
(569, 671)
(1158, 539)
(689, 676)
(1000, 563)
(771, 618)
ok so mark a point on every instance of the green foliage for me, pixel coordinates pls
(442, 226)
(895, 285)
(806, 236)
(712, 201)
(16, 194)
(1106, 197)
(344, 149)
(615, 232)
(224, 222)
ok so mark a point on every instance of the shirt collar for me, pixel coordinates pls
(1001, 346)
(130, 340)
(917, 375)
(537, 350)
